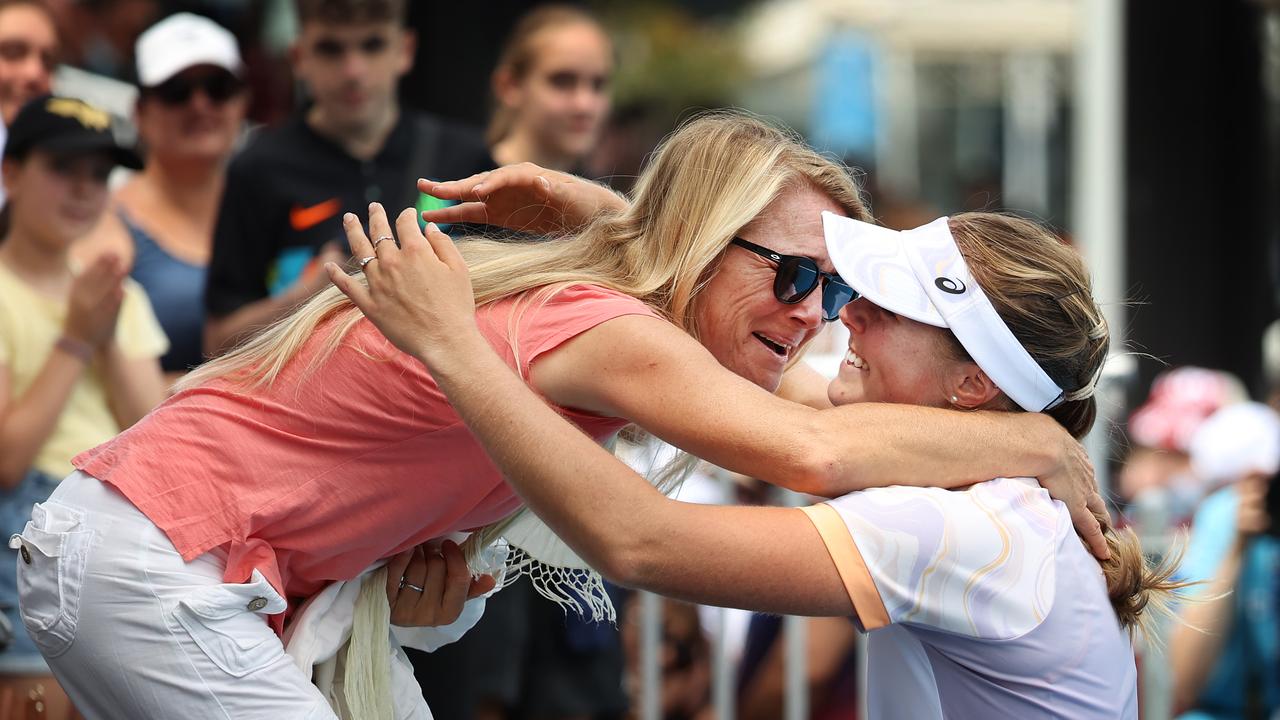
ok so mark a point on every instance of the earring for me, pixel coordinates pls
(955, 400)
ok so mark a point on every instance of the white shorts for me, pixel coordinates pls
(131, 630)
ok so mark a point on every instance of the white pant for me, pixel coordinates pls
(132, 631)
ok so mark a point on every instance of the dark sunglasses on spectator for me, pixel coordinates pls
(797, 276)
(219, 87)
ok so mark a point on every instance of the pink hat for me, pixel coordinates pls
(1180, 400)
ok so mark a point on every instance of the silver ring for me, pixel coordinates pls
(380, 239)
(366, 260)
(406, 584)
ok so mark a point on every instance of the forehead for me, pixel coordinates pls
(346, 33)
(792, 223)
(576, 44)
(28, 23)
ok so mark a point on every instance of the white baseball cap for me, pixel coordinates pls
(182, 41)
(921, 274)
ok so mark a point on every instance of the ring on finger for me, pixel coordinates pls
(366, 260)
(406, 584)
(380, 239)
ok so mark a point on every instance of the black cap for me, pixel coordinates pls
(65, 125)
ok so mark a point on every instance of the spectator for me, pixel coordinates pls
(1224, 655)
(28, 54)
(189, 114)
(77, 350)
(551, 89)
(1157, 477)
(280, 217)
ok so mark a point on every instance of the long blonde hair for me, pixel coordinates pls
(1041, 289)
(708, 179)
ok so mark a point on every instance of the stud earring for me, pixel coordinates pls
(955, 400)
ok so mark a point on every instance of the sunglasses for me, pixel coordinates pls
(218, 87)
(797, 276)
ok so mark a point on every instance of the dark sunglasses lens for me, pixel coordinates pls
(797, 277)
(221, 87)
(834, 297)
(173, 92)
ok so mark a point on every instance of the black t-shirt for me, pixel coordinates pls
(287, 190)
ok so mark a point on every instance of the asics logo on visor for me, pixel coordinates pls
(948, 285)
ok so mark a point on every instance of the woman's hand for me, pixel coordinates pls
(427, 588)
(417, 294)
(94, 306)
(1072, 481)
(523, 197)
(1251, 508)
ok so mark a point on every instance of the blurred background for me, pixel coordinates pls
(1147, 133)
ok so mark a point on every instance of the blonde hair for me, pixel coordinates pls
(708, 179)
(1040, 288)
(519, 54)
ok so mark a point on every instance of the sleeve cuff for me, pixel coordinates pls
(853, 570)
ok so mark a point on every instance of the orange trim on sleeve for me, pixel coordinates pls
(849, 563)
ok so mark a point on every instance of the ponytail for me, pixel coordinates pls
(1137, 588)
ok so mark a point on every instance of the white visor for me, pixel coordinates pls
(920, 274)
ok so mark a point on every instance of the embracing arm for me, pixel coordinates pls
(650, 372)
(730, 556)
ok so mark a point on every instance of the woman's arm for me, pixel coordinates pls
(134, 385)
(648, 371)
(1195, 644)
(27, 421)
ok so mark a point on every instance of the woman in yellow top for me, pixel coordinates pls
(78, 350)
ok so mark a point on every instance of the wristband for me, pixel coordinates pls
(75, 348)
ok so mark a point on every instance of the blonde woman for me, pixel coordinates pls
(317, 448)
(981, 602)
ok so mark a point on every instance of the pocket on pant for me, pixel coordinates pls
(52, 552)
(226, 622)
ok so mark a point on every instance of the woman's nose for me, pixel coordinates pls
(856, 315)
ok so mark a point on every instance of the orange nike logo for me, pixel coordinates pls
(305, 218)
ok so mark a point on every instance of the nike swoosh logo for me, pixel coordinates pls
(305, 218)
